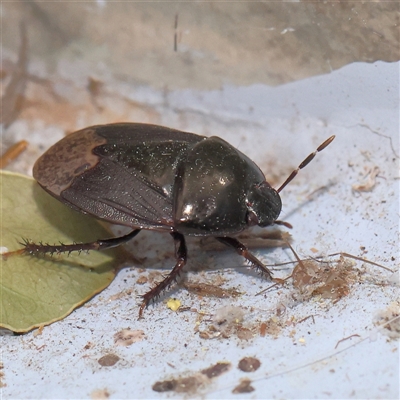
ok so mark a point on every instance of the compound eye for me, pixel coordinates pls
(252, 219)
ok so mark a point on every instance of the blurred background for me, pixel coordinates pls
(67, 65)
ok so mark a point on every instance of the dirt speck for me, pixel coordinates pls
(2, 384)
(142, 280)
(271, 327)
(208, 290)
(100, 394)
(227, 321)
(228, 315)
(244, 333)
(249, 364)
(243, 387)
(118, 296)
(263, 329)
(88, 346)
(164, 386)
(108, 360)
(126, 337)
(389, 319)
(369, 180)
(216, 370)
(190, 384)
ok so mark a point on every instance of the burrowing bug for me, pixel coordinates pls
(152, 177)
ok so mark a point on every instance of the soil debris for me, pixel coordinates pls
(192, 383)
(108, 360)
(389, 319)
(312, 278)
(126, 337)
(208, 290)
(369, 181)
(249, 364)
(243, 387)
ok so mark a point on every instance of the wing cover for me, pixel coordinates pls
(132, 182)
(123, 198)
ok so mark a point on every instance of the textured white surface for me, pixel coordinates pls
(277, 128)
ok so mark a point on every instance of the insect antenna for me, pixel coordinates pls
(305, 162)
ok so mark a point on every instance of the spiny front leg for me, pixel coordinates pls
(181, 257)
(242, 250)
(36, 249)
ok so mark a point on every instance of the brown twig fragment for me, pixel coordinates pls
(12, 153)
(346, 338)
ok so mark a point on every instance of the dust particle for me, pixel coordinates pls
(263, 329)
(187, 384)
(244, 333)
(249, 364)
(228, 315)
(207, 290)
(216, 370)
(271, 327)
(370, 180)
(243, 387)
(108, 360)
(164, 386)
(389, 319)
(226, 322)
(126, 337)
(2, 384)
(100, 394)
(141, 280)
(190, 384)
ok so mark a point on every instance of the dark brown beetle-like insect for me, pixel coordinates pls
(152, 177)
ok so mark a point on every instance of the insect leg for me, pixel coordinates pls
(33, 248)
(181, 257)
(242, 250)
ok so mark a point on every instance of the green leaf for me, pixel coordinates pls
(36, 291)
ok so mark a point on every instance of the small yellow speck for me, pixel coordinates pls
(302, 340)
(173, 304)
